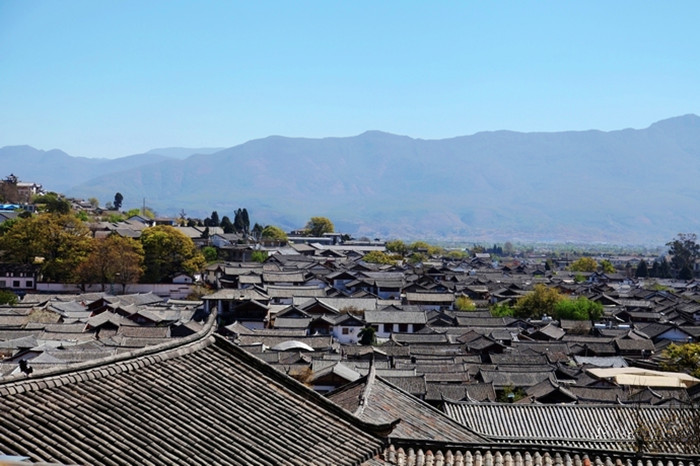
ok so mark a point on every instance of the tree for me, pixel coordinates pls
(118, 198)
(227, 225)
(133, 213)
(607, 267)
(258, 256)
(167, 252)
(422, 246)
(246, 221)
(378, 257)
(94, 202)
(8, 297)
(684, 251)
(368, 335)
(210, 254)
(58, 242)
(502, 310)
(539, 302)
(397, 247)
(241, 221)
(273, 233)
(213, 220)
(318, 226)
(257, 231)
(683, 357)
(580, 308)
(53, 203)
(584, 264)
(114, 259)
(464, 303)
(508, 248)
(642, 270)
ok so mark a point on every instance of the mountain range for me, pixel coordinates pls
(632, 186)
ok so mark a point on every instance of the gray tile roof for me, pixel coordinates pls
(199, 400)
(605, 427)
(375, 400)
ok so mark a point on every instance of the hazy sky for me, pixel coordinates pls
(113, 78)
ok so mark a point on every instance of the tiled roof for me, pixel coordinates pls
(375, 400)
(536, 456)
(197, 400)
(605, 427)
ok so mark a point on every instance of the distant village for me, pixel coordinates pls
(460, 356)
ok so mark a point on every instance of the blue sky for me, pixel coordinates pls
(114, 78)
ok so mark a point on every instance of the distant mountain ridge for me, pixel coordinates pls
(628, 186)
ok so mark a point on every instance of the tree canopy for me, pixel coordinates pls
(118, 198)
(539, 302)
(114, 259)
(397, 247)
(684, 251)
(584, 264)
(59, 243)
(318, 226)
(378, 257)
(682, 358)
(274, 233)
(167, 252)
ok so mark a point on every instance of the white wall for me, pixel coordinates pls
(165, 290)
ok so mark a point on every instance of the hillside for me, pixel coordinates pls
(627, 186)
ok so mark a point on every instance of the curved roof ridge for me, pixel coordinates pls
(371, 376)
(92, 369)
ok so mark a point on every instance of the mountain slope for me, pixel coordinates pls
(633, 186)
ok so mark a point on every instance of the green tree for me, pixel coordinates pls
(227, 225)
(642, 269)
(511, 394)
(368, 335)
(8, 297)
(241, 221)
(539, 302)
(684, 357)
(584, 264)
(210, 254)
(58, 242)
(133, 213)
(118, 198)
(464, 303)
(580, 308)
(94, 202)
(378, 257)
(213, 220)
(397, 247)
(273, 233)
(115, 218)
(167, 252)
(684, 251)
(52, 203)
(258, 256)
(419, 246)
(607, 267)
(457, 254)
(114, 259)
(318, 226)
(502, 310)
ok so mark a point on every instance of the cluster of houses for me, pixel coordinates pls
(318, 299)
(439, 384)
